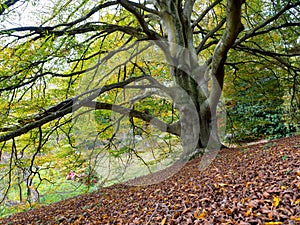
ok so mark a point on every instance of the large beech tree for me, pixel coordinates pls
(47, 50)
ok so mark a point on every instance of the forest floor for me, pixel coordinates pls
(257, 184)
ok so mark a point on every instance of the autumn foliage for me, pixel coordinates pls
(257, 184)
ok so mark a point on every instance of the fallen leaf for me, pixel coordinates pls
(202, 215)
(186, 210)
(270, 215)
(266, 194)
(228, 211)
(295, 218)
(283, 187)
(276, 201)
(193, 201)
(248, 212)
(272, 223)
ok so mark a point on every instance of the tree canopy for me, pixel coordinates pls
(138, 81)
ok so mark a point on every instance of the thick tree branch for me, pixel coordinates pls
(188, 8)
(233, 28)
(88, 27)
(150, 33)
(162, 126)
(144, 8)
(66, 107)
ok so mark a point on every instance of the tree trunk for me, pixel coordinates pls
(199, 129)
(196, 101)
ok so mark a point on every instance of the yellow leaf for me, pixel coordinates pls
(276, 201)
(283, 187)
(198, 215)
(157, 190)
(105, 216)
(272, 223)
(243, 201)
(248, 212)
(295, 218)
(163, 221)
(297, 201)
(216, 185)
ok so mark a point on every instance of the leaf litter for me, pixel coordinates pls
(257, 184)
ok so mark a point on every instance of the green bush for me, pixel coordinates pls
(252, 122)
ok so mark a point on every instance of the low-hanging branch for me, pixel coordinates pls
(73, 104)
(88, 27)
(66, 107)
(173, 128)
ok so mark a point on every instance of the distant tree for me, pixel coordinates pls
(49, 52)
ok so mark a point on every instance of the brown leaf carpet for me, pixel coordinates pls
(257, 184)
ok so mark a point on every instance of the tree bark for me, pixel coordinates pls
(190, 76)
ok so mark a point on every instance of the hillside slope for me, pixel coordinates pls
(257, 184)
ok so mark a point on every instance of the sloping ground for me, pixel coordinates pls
(258, 184)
